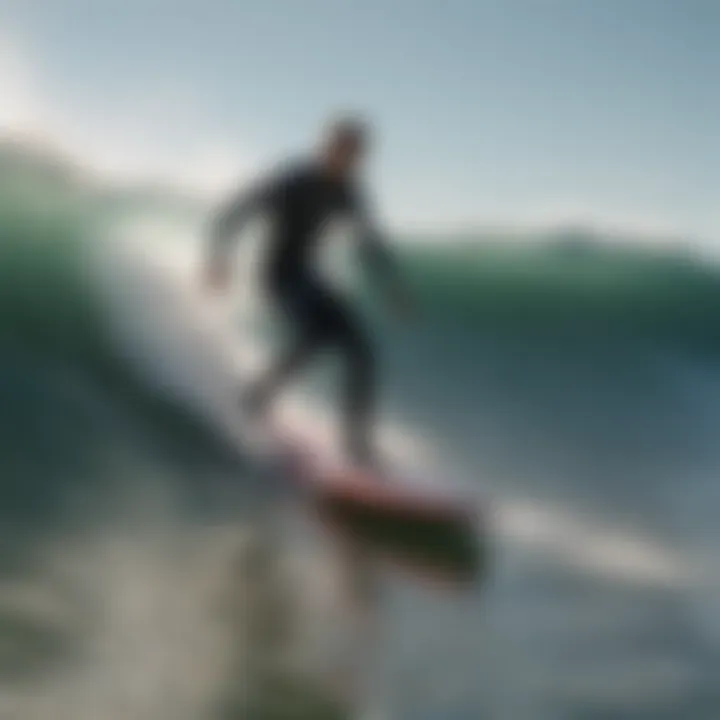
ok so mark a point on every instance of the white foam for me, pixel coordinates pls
(590, 545)
(198, 346)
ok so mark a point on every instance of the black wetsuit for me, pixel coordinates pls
(300, 201)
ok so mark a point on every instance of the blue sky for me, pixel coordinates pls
(487, 110)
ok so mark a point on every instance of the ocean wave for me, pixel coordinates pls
(557, 290)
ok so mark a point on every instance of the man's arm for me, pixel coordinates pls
(377, 254)
(229, 221)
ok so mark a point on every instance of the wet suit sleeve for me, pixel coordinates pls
(231, 217)
(373, 246)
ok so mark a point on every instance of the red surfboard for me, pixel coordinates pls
(335, 482)
(417, 527)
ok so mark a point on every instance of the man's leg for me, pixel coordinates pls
(295, 300)
(261, 393)
(359, 395)
(344, 332)
(325, 320)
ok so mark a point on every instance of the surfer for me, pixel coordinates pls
(300, 200)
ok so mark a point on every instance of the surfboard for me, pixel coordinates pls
(435, 533)
(339, 482)
(391, 512)
(427, 530)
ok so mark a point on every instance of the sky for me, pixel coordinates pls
(486, 111)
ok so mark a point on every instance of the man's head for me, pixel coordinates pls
(344, 145)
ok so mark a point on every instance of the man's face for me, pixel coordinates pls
(345, 155)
